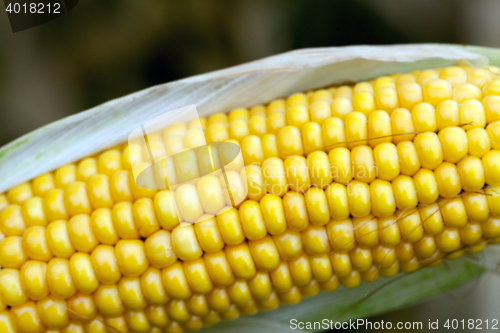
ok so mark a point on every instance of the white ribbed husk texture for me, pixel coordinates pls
(258, 82)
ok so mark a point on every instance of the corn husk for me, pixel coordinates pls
(109, 124)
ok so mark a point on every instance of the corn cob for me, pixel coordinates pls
(343, 184)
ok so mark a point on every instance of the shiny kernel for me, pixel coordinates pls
(336, 195)
(269, 145)
(231, 314)
(255, 181)
(157, 316)
(312, 138)
(257, 125)
(289, 244)
(42, 184)
(32, 212)
(218, 300)
(409, 161)
(208, 234)
(152, 287)
(361, 259)
(479, 77)
(315, 239)
(410, 225)
(363, 102)
(239, 293)
(424, 118)
(448, 240)
(177, 310)
(76, 199)
(300, 270)
(83, 273)
(116, 323)
(405, 251)
(465, 91)
(53, 313)
(175, 281)
(383, 256)
(105, 264)
(295, 208)
(471, 233)
(120, 186)
(317, 206)
(274, 176)
(491, 165)
(352, 280)
(14, 250)
(448, 180)
(356, 129)
(341, 106)
(402, 126)
(429, 150)
(86, 168)
(131, 293)
(382, 197)
(432, 220)
(426, 186)
(59, 278)
(472, 114)
(386, 98)
(341, 234)
(492, 88)
(19, 194)
(281, 278)
(410, 94)
(471, 173)
(320, 110)
(491, 105)
(379, 128)
(240, 259)
(131, 256)
(197, 276)
(65, 175)
(289, 142)
(82, 234)
(333, 131)
(340, 161)
(11, 221)
(82, 308)
(366, 230)
(12, 292)
(343, 91)
(109, 162)
(478, 142)
(358, 194)
(230, 227)
(310, 289)
(491, 227)
(275, 121)
(363, 86)
(297, 173)
(58, 237)
(102, 224)
(26, 318)
(218, 268)
(238, 129)
(437, 90)
(252, 220)
(34, 279)
(321, 268)
(454, 75)
(363, 164)
(297, 115)
(425, 247)
(185, 243)
(293, 296)
(251, 148)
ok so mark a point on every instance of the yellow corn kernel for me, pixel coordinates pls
(53, 313)
(82, 234)
(492, 88)
(275, 121)
(185, 243)
(12, 292)
(297, 115)
(491, 165)
(58, 237)
(11, 221)
(410, 94)
(120, 186)
(320, 109)
(26, 318)
(240, 259)
(448, 240)
(341, 234)
(32, 212)
(289, 244)
(82, 308)
(300, 270)
(341, 106)
(336, 195)
(42, 184)
(317, 206)
(363, 102)
(316, 240)
(405, 251)
(410, 225)
(104, 261)
(361, 258)
(363, 164)
(479, 77)
(117, 323)
(152, 287)
(252, 220)
(310, 289)
(239, 293)
(131, 293)
(218, 300)
(175, 281)
(297, 173)
(358, 194)
(255, 180)
(448, 180)
(435, 91)
(429, 150)
(131, 257)
(352, 280)
(102, 224)
(409, 161)
(12, 254)
(34, 279)
(379, 128)
(402, 126)
(290, 297)
(312, 138)
(340, 160)
(294, 205)
(426, 186)
(273, 213)
(197, 276)
(383, 256)
(59, 278)
(356, 129)
(472, 115)
(83, 273)
(382, 198)
(321, 268)
(491, 227)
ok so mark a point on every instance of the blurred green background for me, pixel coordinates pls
(104, 49)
